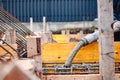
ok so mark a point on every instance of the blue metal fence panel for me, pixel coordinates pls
(54, 10)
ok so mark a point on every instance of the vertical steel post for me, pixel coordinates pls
(106, 39)
(44, 24)
(31, 23)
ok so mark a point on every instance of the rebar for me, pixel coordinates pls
(7, 21)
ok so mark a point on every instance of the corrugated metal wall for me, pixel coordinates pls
(54, 10)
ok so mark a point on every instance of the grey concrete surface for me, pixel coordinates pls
(61, 25)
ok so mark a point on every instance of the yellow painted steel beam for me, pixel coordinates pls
(8, 48)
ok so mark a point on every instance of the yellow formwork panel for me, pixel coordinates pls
(59, 38)
(58, 52)
(63, 38)
(76, 36)
(117, 51)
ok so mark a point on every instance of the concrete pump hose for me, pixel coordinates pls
(73, 53)
(84, 41)
(87, 40)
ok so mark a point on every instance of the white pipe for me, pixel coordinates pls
(44, 24)
(31, 23)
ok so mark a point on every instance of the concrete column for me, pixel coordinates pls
(34, 51)
(63, 32)
(46, 37)
(106, 39)
(68, 36)
(81, 34)
(10, 36)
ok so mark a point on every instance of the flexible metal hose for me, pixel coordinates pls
(84, 41)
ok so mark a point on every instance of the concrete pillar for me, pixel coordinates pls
(34, 51)
(81, 34)
(68, 35)
(46, 37)
(10, 36)
(33, 46)
(106, 39)
(63, 32)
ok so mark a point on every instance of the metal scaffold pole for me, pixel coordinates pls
(106, 39)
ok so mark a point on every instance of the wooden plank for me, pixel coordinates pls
(106, 49)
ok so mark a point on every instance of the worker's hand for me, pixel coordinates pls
(117, 24)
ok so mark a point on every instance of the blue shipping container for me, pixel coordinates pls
(54, 10)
